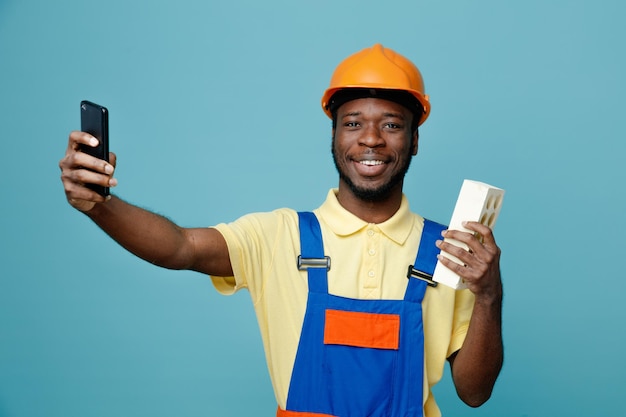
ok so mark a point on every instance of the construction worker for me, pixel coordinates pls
(346, 331)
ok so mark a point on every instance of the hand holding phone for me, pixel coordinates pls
(94, 119)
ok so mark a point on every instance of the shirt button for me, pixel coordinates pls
(371, 273)
(370, 233)
(372, 252)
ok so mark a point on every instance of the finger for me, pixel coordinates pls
(113, 159)
(485, 234)
(84, 160)
(469, 239)
(464, 264)
(74, 158)
(79, 196)
(81, 138)
(85, 176)
(462, 254)
(80, 176)
(464, 270)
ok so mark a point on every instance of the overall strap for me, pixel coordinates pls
(420, 274)
(312, 257)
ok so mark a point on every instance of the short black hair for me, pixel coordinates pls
(401, 97)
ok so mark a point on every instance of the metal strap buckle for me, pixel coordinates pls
(414, 273)
(306, 263)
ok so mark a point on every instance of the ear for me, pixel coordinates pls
(414, 142)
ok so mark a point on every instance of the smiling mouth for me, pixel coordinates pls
(371, 163)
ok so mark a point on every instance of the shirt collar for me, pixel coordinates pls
(344, 223)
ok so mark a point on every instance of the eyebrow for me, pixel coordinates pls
(396, 115)
(352, 113)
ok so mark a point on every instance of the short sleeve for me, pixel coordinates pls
(463, 307)
(253, 243)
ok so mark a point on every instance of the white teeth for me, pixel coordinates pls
(372, 163)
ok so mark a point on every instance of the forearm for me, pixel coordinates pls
(150, 236)
(477, 364)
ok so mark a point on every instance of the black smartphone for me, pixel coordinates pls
(94, 119)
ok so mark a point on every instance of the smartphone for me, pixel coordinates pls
(94, 119)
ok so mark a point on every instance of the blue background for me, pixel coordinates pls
(214, 110)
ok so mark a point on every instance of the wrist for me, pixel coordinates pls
(99, 208)
(490, 299)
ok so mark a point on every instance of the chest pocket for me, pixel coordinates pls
(367, 330)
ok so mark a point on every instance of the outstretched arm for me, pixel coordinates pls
(148, 235)
(476, 366)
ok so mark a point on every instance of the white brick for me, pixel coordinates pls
(478, 202)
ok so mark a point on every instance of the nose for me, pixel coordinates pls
(371, 137)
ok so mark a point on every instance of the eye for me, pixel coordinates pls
(391, 125)
(351, 124)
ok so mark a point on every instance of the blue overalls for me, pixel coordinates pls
(359, 358)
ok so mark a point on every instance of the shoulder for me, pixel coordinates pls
(265, 219)
(262, 226)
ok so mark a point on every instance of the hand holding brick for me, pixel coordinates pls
(478, 202)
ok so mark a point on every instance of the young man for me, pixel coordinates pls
(346, 331)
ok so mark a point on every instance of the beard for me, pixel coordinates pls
(379, 193)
